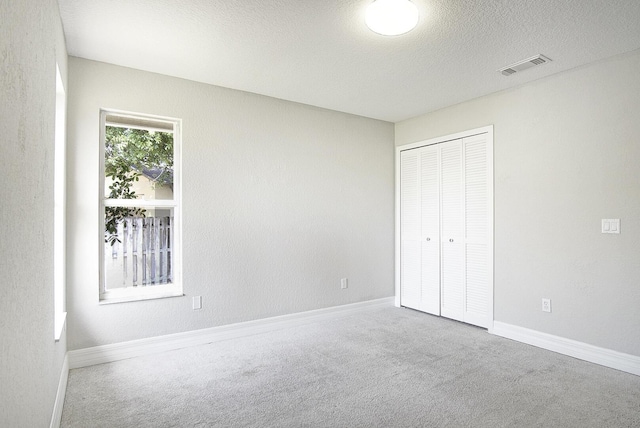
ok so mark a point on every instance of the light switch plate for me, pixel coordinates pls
(197, 303)
(610, 225)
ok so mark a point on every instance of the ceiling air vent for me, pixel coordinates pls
(524, 64)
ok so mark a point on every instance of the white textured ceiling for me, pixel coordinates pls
(320, 52)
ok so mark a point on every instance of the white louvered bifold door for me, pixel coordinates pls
(446, 229)
(478, 228)
(410, 265)
(430, 225)
(452, 235)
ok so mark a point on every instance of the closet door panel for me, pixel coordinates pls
(410, 245)
(452, 236)
(430, 226)
(477, 228)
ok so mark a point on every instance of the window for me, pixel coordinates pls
(140, 210)
(59, 199)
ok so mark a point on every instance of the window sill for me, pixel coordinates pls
(137, 294)
(60, 324)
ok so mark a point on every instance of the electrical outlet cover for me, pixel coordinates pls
(546, 305)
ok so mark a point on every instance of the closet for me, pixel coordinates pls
(444, 238)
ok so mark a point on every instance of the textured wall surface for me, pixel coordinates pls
(280, 201)
(31, 42)
(567, 150)
(321, 52)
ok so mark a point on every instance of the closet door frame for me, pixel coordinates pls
(488, 130)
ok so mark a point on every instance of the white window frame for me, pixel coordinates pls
(59, 208)
(131, 294)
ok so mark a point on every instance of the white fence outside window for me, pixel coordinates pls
(143, 255)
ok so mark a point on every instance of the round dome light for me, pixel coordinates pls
(392, 17)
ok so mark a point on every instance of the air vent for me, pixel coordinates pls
(524, 64)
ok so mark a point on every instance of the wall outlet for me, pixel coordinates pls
(344, 283)
(546, 305)
(610, 225)
(197, 302)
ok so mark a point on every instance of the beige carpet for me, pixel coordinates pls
(385, 367)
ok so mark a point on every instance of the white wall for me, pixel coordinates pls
(31, 41)
(281, 200)
(567, 154)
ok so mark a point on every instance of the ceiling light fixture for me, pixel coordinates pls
(392, 17)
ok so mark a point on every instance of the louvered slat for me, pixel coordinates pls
(477, 293)
(476, 190)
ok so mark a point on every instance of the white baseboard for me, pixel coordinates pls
(56, 418)
(583, 351)
(135, 348)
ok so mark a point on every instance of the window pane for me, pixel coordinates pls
(138, 247)
(138, 164)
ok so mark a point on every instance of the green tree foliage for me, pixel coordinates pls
(130, 153)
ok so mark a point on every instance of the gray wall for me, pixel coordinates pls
(567, 154)
(31, 41)
(280, 201)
